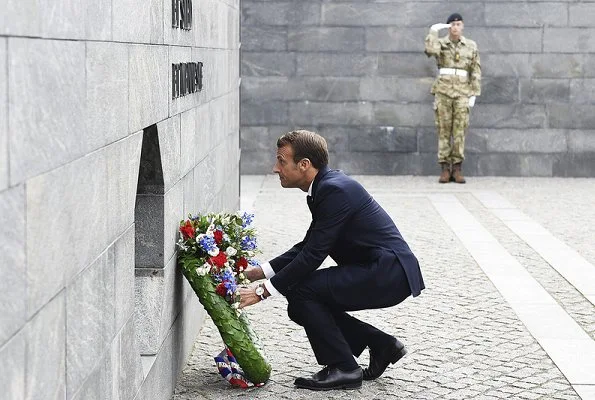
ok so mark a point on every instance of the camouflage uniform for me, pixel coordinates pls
(452, 92)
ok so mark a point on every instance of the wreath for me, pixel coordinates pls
(214, 251)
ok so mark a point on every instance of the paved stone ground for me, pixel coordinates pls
(464, 340)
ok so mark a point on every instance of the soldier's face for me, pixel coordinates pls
(456, 28)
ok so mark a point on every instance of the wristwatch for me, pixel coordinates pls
(260, 291)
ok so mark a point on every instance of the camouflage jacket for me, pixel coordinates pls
(461, 55)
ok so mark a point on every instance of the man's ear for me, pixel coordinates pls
(305, 163)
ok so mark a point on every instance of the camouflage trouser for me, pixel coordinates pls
(452, 120)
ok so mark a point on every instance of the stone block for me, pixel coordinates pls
(63, 20)
(173, 204)
(526, 14)
(280, 13)
(13, 296)
(582, 91)
(46, 352)
(12, 367)
(189, 199)
(149, 231)
(588, 65)
(178, 54)
(392, 39)
(204, 183)
(581, 14)
(259, 38)
(14, 12)
(550, 65)
(581, 141)
(407, 65)
(415, 14)
(507, 164)
(173, 299)
(573, 116)
(98, 23)
(499, 90)
(303, 88)
(90, 311)
(123, 162)
(48, 129)
(323, 64)
(148, 85)
(319, 113)
(520, 116)
(149, 293)
(539, 91)
(161, 378)
(131, 23)
(399, 90)
(124, 278)
(267, 64)
(4, 171)
(255, 138)
(326, 39)
(131, 372)
(383, 138)
(256, 162)
(185, 37)
(378, 163)
(403, 115)
(188, 135)
(506, 40)
(264, 112)
(170, 142)
(66, 201)
(203, 140)
(506, 65)
(526, 141)
(575, 165)
(100, 382)
(107, 93)
(569, 40)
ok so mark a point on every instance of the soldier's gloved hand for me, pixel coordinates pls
(438, 27)
(471, 101)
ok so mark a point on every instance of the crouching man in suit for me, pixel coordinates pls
(375, 268)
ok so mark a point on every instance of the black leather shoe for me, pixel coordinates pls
(381, 357)
(332, 378)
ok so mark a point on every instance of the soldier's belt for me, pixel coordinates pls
(452, 71)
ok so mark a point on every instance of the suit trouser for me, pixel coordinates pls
(319, 304)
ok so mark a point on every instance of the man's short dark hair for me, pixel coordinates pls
(306, 144)
(454, 17)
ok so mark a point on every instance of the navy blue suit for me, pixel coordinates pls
(375, 269)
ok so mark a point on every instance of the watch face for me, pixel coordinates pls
(259, 290)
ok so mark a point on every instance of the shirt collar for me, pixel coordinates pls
(310, 188)
(462, 40)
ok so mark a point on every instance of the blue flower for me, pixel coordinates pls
(207, 243)
(247, 219)
(248, 243)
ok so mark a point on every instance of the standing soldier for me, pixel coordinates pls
(454, 90)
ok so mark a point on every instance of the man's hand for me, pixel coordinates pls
(254, 273)
(248, 295)
(439, 27)
(471, 101)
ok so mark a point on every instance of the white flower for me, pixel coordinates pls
(214, 252)
(203, 270)
(225, 221)
(231, 251)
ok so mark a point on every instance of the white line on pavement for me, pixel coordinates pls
(565, 342)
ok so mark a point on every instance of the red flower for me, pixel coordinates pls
(187, 230)
(218, 235)
(218, 260)
(241, 264)
(221, 289)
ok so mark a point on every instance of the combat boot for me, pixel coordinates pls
(445, 174)
(457, 172)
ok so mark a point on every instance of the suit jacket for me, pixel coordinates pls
(350, 226)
